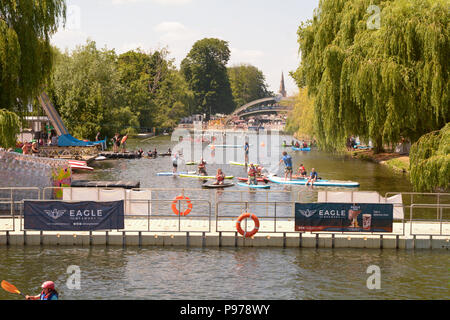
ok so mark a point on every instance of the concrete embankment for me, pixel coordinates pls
(424, 235)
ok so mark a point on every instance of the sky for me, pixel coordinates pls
(262, 33)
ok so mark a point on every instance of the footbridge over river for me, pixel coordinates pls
(270, 105)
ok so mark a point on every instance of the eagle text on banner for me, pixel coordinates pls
(73, 216)
(344, 217)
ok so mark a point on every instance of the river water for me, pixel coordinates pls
(228, 273)
(232, 273)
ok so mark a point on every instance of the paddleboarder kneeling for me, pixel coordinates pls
(202, 167)
(220, 177)
(48, 292)
(252, 172)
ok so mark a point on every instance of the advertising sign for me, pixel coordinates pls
(344, 217)
(73, 216)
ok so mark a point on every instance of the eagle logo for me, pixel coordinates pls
(55, 214)
(308, 213)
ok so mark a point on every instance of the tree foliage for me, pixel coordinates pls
(97, 90)
(378, 83)
(204, 68)
(25, 51)
(430, 161)
(301, 119)
(9, 128)
(248, 83)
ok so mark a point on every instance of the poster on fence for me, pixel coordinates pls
(73, 216)
(344, 217)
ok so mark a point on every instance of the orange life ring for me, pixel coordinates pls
(174, 206)
(124, 138)
(243, 216)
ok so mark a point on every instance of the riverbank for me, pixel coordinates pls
(395, 161)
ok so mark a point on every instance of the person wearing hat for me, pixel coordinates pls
(48, 292)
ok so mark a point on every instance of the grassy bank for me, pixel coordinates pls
(392, 160)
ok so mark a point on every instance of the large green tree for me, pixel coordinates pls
(9, 128)
(25, 51)
(89, 94)
(205, 70)
(377, 69)
(248, 83)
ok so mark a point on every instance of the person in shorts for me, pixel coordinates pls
(287, 159)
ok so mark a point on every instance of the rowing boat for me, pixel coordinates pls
(301, 149)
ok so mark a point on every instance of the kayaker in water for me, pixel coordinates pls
(312, 177)
(220, 177)
(287, 159)
(48, 292)
(252, 173)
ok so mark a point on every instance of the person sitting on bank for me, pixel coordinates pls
(34, 148)
(312, 177)
(302, 171)
(252, 173)
(220, 177)
(202, 167)
(48, 292)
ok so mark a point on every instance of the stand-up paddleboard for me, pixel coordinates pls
(217, 186)
(227, 146)
(169, 174)
(191, 163)
(318, 183)
(196, 176)
(257, 179)
(301, 149)
(100, 158)
(234, 163)
(254, 186)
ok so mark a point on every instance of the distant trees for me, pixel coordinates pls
(96, 90)
(25, 51)
(301, 119)
(247, 84)
(205, 71)
(379, 74)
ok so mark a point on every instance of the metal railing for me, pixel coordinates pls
(440, 208)
(276, 209)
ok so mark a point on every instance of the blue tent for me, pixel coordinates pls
(67, 140)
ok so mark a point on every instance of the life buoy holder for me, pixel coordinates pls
(247, 215)
(175, 202)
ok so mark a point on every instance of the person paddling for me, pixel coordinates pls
(252, 172)
(48, 292)
(202, 168)
(287, 159)
(302, 171)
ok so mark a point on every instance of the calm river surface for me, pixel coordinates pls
(232, 273)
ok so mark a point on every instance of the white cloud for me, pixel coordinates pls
(239, 56)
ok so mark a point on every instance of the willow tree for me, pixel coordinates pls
(9, 128)
(377, 69)
(430, 161)
(25, 51)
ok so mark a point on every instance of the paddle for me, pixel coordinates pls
(10, 288)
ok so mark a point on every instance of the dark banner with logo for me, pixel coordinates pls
(344, 217)
(73, 216)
